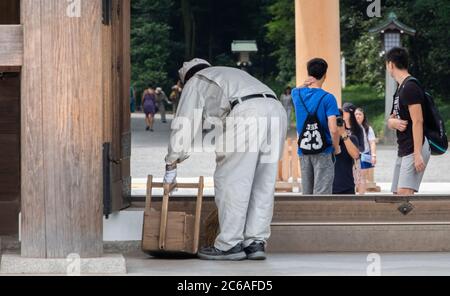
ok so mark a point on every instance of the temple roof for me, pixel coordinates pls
(392, 23)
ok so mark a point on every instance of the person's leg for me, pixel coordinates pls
(162, 110)
(307, 175)
(323, 174)
(395, 178)
(147, 121)
(410, 179)
(362, 186)
(150, 121)
(233, 181)
(260, 210)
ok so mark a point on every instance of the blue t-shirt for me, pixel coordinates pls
(328, 107)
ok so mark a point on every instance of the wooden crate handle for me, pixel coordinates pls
(164, 216)
(148, 199)
(198, 213)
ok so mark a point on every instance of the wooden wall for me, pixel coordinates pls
(9, 132)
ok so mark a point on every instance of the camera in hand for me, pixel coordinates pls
(340, 122)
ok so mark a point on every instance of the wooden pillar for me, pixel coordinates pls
(318, 35)
(62, 129)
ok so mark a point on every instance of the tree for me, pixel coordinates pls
(150, 42)
(281, 33)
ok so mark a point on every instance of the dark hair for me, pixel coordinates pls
(365, 122)
(288, 88)
(317, 68)
(399, 56)
(356, 129)
(194, 71)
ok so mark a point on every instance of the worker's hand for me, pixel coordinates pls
(170, 177)
(171, 174)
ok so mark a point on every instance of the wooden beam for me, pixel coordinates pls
(11, 45)
(347, 223)
(317, 26)
(62, 140)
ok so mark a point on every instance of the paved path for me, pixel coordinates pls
(149, 150)
(337, 264)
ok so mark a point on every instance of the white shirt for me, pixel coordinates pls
(368, 138)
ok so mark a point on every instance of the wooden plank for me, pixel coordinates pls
(126, 112)
(32, 189)
(72, 128)
(63, 183)
(303, 224)
(360, 238)
(11, 45)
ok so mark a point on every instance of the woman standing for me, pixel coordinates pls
(369, 156)
(149, 107)
(286, 101)
(354, 130)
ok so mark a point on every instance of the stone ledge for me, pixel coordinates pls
(109, 264)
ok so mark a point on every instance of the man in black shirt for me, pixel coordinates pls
(407, 119)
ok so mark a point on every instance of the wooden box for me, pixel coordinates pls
(168, 232)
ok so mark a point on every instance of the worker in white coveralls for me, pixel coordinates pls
(250, 127)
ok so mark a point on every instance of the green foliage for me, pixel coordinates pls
(281, 33)
(430, 53)
(150, 41)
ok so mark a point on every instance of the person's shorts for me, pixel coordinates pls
(405, 174)
(366, 165)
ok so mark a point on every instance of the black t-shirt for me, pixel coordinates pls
(343, 169)
(410, 94)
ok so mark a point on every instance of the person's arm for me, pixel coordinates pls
(332, 126)
(373, 145)
(417, 128)
(332, 112)
(186, 124)
(397, 124)
(351, 143)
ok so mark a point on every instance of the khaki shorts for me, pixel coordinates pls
(405, 174)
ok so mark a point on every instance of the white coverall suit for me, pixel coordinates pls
(244, 179)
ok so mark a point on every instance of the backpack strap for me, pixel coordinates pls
(304, 105)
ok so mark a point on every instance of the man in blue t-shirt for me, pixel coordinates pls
(317, 169)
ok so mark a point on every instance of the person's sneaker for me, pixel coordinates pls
(256, 251)
(211, 253)
(148, 128)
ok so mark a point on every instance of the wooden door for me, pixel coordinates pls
(9, 121)
(117, 118)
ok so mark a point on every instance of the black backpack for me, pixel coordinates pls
(312, 140)
(434, 126)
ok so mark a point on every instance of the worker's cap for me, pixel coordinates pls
(158, 90)
(349, 107)
(188, 66)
